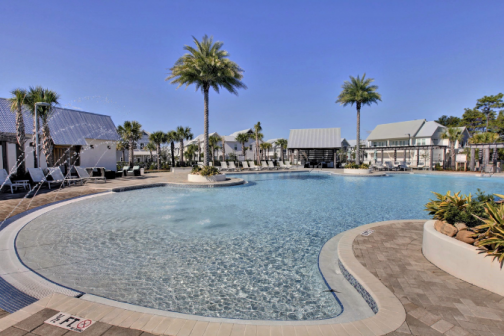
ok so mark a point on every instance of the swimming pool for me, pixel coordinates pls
(247, 252)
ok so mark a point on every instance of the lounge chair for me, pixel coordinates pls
(282, 165)
(389, 165)
(271, 165)
(253, 166)
(83, 174)
(57, 175)
(232, 166)
(37, 176)
(135, 171)
(6, 182)
(264, 165)
(223, 166)
(245, 165)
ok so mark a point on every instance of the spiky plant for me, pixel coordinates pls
(158, 138)
(208, 67)
(17, 102)
(358, 91)
(438, 208)
(491, 234)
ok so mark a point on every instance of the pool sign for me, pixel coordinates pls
(70, 322)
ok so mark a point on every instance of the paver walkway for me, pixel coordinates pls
(436, 302)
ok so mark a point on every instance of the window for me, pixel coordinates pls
(379, 143)
(142, 146)
(399, 143)
(236, 147)
(420, 142)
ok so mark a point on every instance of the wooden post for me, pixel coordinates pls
(382, 156)
(404, 161)
(444, 159)
(395, 155)
(473, 159)
(418, 157)
(431, 158)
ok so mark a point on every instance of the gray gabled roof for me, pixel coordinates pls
(397, 130)
(248, 130)
(68, 127)
(428, 129)
(315, 138)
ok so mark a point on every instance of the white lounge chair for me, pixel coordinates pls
(224, 166)
(245, 165)
(288, 165)
(232, 166)
(271, 165)
(57, 175)
(37, 176)
(83, 174)
(253, 166)
(282, 165)
(6, 182)
(264, 165)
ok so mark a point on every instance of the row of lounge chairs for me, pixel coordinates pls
(250, 165)
(388, 165)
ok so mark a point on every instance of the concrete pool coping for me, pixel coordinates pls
(390, 312)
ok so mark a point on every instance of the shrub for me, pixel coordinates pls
(208, 171)
(355, 166)
(491, 233)
(195, 170)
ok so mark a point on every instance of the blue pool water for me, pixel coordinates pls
(246, 252)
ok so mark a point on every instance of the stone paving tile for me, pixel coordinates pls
(436, 303)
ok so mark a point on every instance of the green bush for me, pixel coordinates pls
(195, 170)
(353, 165)
(208, 171)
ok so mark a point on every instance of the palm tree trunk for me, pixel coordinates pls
(172, 147)
(357, 154)
(205, 133)
(257, 150)
(21, 139)
(131, 144)
(452, 149)
(124, 155)
(158, 149)
(223, 150)
(181, 152)
(47, 144)
(243, 151)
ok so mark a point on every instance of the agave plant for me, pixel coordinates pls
(491, 234)
(438, 208)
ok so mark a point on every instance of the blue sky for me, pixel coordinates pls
(428, 58)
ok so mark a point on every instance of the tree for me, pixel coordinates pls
(265, 146)
(213, 142)
(171, 137)
(449, 121)
(158, 138)
(17, 102)
(151, 147)
(242, 139)
(130, 131)
(358, 91)
(258, 137)
(453, 134)
(122, 146)
(283, 146)
(40, 95)
(473, 120)
(207, 66)
(487, 106)
(183, 133)
(191, 151)
(223, 142)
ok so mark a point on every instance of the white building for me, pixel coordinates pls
(414, 141)
(79, 138)
(140, 154)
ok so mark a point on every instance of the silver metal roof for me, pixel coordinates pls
(68, 127)
(428, 129)
(397, 130)
(315, 138)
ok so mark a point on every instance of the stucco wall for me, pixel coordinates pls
(100, 155)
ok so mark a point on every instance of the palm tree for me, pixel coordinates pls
(158, 138)
(40, 95)
(258, 137)
(223, 141)
(213, 143)
(358, 91)
(151, 147)
(17, 102)
(264, 146)
(242, 139)
(283, 146)
(130, 131)
(207, 66)
(191, 151)
(171, 137)
(453, 134)
(183, 133)
(122, 146)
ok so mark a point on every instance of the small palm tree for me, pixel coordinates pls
(223, 141)
(151, 147)
(183, 133)
(453, 134)
(17, 102)
(282, 143)
(122, 146)
(242, 139)
(158, 138)
(213, 142)
(358, 91)
(40, 95)
(258, 137)
(207, 66)
(171, 138)
(130, 131)
(191, 151)
(264, 146)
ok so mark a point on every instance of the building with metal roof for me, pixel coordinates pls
(85, 138)
(315, 146)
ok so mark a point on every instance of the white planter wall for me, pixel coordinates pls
(357, 171)
(206, 179)
(462, 260)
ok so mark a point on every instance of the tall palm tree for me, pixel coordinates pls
(242, 139)
(453, 134)
(130, 131)
(258, 137)
(183, 133)
(17, 102)
(358, 91)
(213, 143)
(171, 137)
(151, 147)
(158, 138)
(264, 147)
(282, 143)
(207, 66)
(223, 141)
(40, 95)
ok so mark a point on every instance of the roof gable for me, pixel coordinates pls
(428, 129)
(396, 130)
(315, 138)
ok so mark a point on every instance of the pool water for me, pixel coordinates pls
(247, 252)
